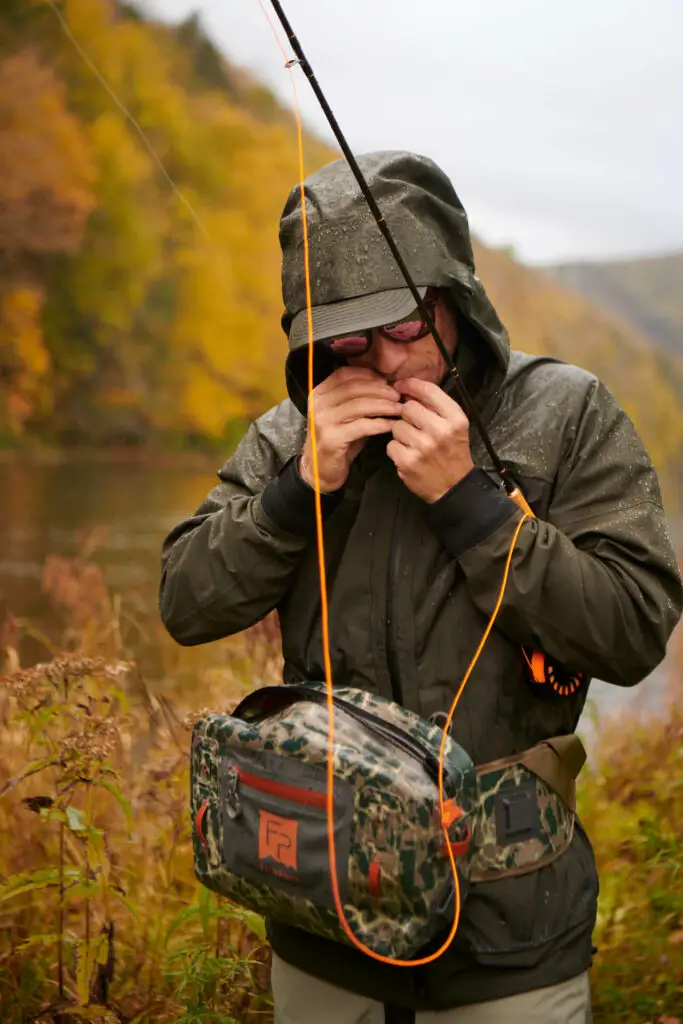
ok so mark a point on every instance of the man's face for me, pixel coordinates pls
(422, 359)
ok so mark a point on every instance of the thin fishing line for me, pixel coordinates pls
(127, 114)
(324, 609)
(339, 908)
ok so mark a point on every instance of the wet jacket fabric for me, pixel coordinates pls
(593, 581)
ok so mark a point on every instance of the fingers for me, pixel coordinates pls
(348, 374)
(420, 428)
(430, 395)
(366, 428)
(365, 408)
(363, 387)
(357, 394)
(424, 429)
(408, 435)
(404, 455)
(417, 415)
(348, 407)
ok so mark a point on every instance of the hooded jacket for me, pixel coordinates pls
(593, 581)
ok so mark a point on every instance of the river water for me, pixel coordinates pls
(51, 509)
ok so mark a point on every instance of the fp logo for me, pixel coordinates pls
(277, 839)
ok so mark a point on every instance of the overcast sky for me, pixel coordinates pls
(559, 121)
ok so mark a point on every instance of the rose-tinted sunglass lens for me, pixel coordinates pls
(350, 346)
(405, 330)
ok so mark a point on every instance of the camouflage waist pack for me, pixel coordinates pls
(259, 813)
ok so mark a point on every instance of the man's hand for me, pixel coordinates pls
(431, 448)
(350, 405)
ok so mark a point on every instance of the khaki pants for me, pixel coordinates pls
(302, 999)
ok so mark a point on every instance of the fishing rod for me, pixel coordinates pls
(462, 393)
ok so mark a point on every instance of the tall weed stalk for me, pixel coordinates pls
(101, 917)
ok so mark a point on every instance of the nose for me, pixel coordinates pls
(387, 355)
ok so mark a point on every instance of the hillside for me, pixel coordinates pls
(543, 317)
(129, 312)
(647, 293)
(120, 320)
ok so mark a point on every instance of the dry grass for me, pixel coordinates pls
(632, 807)
(101, 918)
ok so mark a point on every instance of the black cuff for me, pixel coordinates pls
(290, 502)
(469, 512)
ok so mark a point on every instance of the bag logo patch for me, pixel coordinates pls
(277, 839)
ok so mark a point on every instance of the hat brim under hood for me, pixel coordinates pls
(355, 281)
(356, 314)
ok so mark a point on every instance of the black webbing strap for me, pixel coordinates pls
(398, 1015)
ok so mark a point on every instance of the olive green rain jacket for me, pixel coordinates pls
(593, 583)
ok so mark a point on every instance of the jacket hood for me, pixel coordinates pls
(348, 257)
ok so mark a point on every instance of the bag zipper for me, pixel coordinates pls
(383, 730)
(236, 777)
(296, 794)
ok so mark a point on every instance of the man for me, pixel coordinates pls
(417, 532)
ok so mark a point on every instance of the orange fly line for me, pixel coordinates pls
(445, 820)
(516, 496)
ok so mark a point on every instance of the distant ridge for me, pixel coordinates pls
(648, 293)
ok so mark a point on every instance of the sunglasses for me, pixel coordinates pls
(405, 331)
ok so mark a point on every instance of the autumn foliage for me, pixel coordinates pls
(132, 306)
(140, 267)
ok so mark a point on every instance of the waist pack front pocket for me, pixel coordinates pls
(274, 825)
(259, 781)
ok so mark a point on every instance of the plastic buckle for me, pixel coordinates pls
(517, 813)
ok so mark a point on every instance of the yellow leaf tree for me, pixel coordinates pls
(46, 178)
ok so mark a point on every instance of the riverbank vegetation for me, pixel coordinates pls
(101, 918)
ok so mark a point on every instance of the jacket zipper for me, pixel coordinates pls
(392, 658)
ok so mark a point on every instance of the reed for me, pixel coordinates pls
(101, 918)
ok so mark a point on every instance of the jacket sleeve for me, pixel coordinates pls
(230, 563)
(595, 584)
